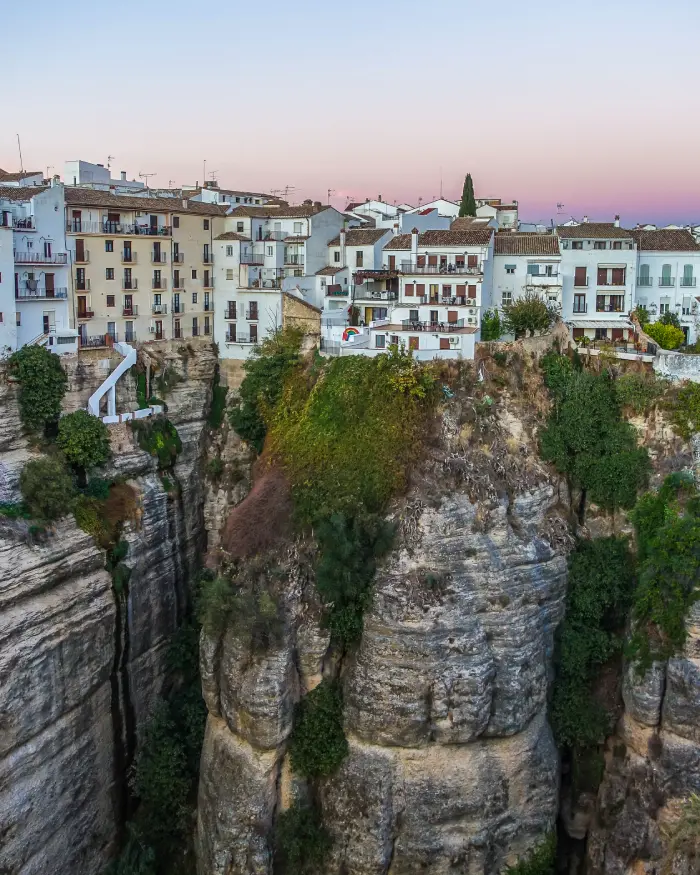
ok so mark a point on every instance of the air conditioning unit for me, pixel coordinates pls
(454, 341)
(151, 329)
(471, 320)
(471, 302)
(472, 311)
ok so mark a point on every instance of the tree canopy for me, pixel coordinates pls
(84, 439)
(467, 206)
(42, 386)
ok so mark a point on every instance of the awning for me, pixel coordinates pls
(599, 323)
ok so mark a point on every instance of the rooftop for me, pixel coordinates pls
(18, 177)
(232, 235)
(593, 231)
(665, 240)
(300, 212)
(332, 270)
(467, 237)
(361, 236)
(507, 243)
(20, 193)
(469, 222)
(87, 197)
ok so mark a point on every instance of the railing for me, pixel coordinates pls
(645, 281)
(688, 282)
(178, 308)
(272, 283)
(158, 258)
(130, 285)
(581, 285)
(609, 308)
(542, 279)
(85, 314)
(375, 296)
(208, 307)
(25, 223)
(252, 315)
(580, 308)
(336, 293)
(82, 287)
(230, 314)
(177, 331)
(40, 258)
(129, 257)
(460, 301)
(77, 226)
(450, 268)
(130, 311)
(252, 258)
(161, 283)
(667, 281)
(207, 258)
(294, 259)
(42, 292)
(159, 309)
(178, 258)
(97, 340)
(129, 337)
(611, 283)
(441, 327)
(274, 235)
(195, 331)
(240, 338)
(208, 283)
(82, 257)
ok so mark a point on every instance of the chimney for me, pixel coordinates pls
(184, 203)
(414, 245)
(317, 205)
(342, 246)
(379, 198)
(617, 221)
(123, 175)
(585, 218)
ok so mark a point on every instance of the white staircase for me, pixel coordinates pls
(109, 386)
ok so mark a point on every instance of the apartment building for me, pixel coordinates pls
(210, 193)
(361, 282)
(142, 267)
(667, 273)
(599, 266)
(262, 252)
(441, 276)
(526, 264)
(34, 270)
(506, 215)
(86, 174)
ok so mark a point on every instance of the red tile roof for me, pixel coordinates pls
(593, 231)
(18, 177)
(467, 237)
(231, 235)
(361, 236)
(508, 243)
(666, 240)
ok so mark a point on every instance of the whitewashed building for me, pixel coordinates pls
(599, 266)
(360, 251)
(263, 252)
(441, 280)
(34, 268)
(526, 264)
(444, 207)
(97, 176)
(667, 275)
(506, 215)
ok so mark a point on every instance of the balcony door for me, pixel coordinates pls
(80, 250)
(128, 305)
(49, 282)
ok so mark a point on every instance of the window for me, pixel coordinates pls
(600, 244)
(109, 273)
(579, 303)
(359, 258)
(580, 277)
(18, 319)
(506, 298)
(239, 226)
(229, 251)
(110, 300)
(109, 245)
(688, 279)
(253, 333)
(195, 327)
(206, 280)
(408, 290)
(413, 342)
(643, 279)
(298, 228)
(617, 244)
(533, 269)
(194, 297)
(336, 257)
(157, 300)
(666, 278)
(433, 317)
(685, 308)
(664, 305)
(577, 244)
(510, 268)
(253, 310)
(1, 318)
(270, 251)
(194, 274)
(176, 221)
(207, 325)
(205, 224)
(380, 341)
(413, 315)
(229, 273)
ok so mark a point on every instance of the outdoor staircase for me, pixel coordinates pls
(108, 387)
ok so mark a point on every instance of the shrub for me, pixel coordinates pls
(266, 372)
(84, 439)
(685, 412)
(47, 489)
(136, 857)
(667, 336)
(141, 391)
(15, 511)
(491, 327)
(301, 842)
(159, 437)
(639, 392)
(88, 517)
(166, 381)
(42, 386)
(215, 605)
(318, 744)
(558, 371)
(670, 319)
(683, 836)
(540, 861)
(215, 469)
(642, 314)
(218, 403)
(527, 315)
(98, 487)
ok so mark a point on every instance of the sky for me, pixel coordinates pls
(591, 105)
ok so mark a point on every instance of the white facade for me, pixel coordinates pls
(98, 176)
(506, 215)
(40, 272)
(526, 264)
(8, 317)
(442, 205)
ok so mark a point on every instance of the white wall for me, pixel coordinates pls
(444, 208)
(8, 329)
(674, 295)
(590, 258)
(516, 283)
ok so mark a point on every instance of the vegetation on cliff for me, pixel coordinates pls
(42, 387)
(540, 861)
(158, 437)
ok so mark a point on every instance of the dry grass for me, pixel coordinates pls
(262, 519)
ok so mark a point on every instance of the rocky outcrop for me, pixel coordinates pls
(452, 765)
(81, 668)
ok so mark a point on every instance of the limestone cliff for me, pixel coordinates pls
(80, 668)
(452, 766)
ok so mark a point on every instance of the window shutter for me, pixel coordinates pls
(472, 292)
(580, 276)
(602, 276)
(408, 288)
(461, 291)
(452, 316)
(420, 290)
(472, 261)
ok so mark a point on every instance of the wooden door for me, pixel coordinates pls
(602, 276)
(392, 262)
(50, 288)
(413, 342)
(452, 316)
(80, 250)
(618, 276)
(444, 343)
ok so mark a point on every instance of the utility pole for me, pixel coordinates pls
(109, 159)
(146, 176)
(330, 192)
(19, 146)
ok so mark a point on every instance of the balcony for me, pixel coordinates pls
(85, 314)
(688, 282)
(233, 337)
(645, 281)
(159, 309)
(158, 258)
(77, 226)
(83, 286)
(294, 259)
(537, 280)
(23, 223)
(179, 283)
(438, 327)
(667, 282)
(336, 293)
(362, 295)
(612, 283)
(178, 258)
(230, 313)
(274, 235)
(252, 314)
(265, 283)
(161, 283)
(207, 258)
(40, 258)
(178, 309)
(208, 306)
(208, 283)
(129, 257)
(97, 340)
(609, 308)
(82, 257)
(447, 302)
(130, 312)
(445, 269)
(129, 336)
(252, 258)
(36, 291)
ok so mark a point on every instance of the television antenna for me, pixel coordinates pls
(275, 192)
(146, 176)
(560, 208)
(109, 159)
(212, 175)
(331, 191)
(48, 167)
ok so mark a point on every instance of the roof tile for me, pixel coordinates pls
(593, 231)
(361, 236)
(508, 243)
(666, 240)
(467, 237)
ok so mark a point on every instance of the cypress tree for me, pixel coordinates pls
(467, 206)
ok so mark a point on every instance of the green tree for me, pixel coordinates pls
(670, 318)
(667, 336)
(318, 744)
(491, 328)
(84, 440)
(47, 489)
(301, 842)
(42, 386)
(685, 411)
(528, 314)
(467, 205)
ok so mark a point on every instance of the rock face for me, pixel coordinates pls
(452, 766)
(80, 669)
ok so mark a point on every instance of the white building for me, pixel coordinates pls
(34, 269)
(506, 215)
(210, 193)
(526, 264)
(441, 276)
(25, 177)
(667, 273)
(264, 251)
(599, 264)
(445, 207)
(355, 260)
(98, 176)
